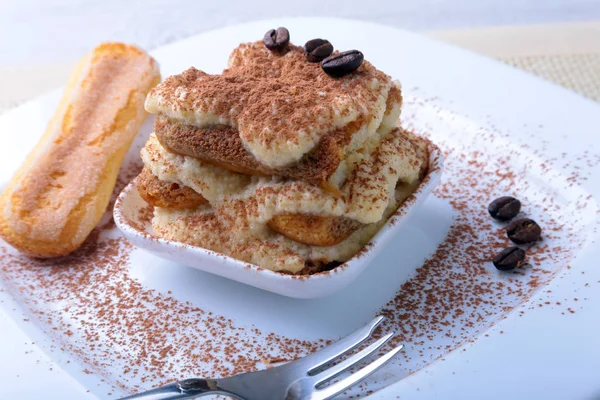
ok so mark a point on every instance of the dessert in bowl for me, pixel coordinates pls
(291, 160)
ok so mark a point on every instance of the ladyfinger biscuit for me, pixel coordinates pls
(63, 187)
(315, 230)
(163, 194)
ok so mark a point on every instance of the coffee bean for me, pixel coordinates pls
(524, 230)
(343, 63)
(277, 40)
(509, 258)
(317, 49)
(504, 208)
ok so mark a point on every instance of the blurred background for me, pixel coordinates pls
(50, 31)
(40, 39)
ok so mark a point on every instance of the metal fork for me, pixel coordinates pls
(302, 379)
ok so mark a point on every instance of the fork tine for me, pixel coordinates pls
(324, 356)
(350, 361)
(338, 387)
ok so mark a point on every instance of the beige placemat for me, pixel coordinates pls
(567, 54)
(578, 72)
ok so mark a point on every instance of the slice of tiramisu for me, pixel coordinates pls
(280, 161)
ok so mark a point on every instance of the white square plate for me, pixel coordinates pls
(132, 320)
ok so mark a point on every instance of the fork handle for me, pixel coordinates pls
(184, 389)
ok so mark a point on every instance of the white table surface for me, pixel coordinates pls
(40, 31)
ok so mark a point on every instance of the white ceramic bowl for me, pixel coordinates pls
(127, 216)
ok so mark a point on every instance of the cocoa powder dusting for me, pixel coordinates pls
(110, 321)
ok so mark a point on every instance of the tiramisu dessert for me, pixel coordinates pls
(291, 159)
